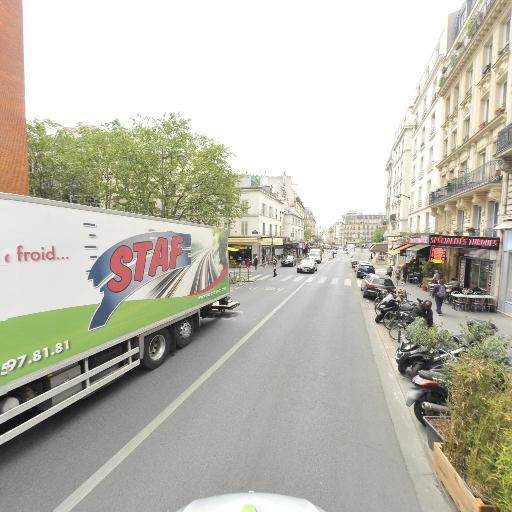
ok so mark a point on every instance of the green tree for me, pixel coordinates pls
(155, 166)
(378, 234)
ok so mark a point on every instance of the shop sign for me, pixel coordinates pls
(419, 240)
(465, 241)
(271, 241)
(438, 254)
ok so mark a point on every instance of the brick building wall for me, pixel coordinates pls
(13, 138)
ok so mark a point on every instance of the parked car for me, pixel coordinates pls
(354, 263)
(372, 284)
(364, 268)
(288, 261)
(315, 254)
(307, 265)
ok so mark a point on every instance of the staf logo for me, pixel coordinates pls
(127, 266)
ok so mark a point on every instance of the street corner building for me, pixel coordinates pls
(13, 139)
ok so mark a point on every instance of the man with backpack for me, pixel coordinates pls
(439, 294)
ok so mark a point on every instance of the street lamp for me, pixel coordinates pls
(181, 157)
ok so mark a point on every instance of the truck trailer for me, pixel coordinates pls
(88, 294)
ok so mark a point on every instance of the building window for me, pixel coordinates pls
(427, 222)
(460, 220)
(506, 33)
(431, 158)
(263, 228)
(485, 110)
(433, 123)
(488, 53)
(455, 97)
(492, 214)
(445, 153)
(418, 224)
(270, 229)
(263, 209)
(504, 91)
(467, 125)
(469, 80)
(463, 168)
(454, 139)
(244, 227)
(270, 212)
(482, 158)
(477, 217)
(447, 107)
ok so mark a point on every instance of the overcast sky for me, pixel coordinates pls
(315, 89)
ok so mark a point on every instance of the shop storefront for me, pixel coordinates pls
(241, 248)
(270, 247)
(469, 260)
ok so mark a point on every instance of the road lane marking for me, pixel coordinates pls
(334, 280)
(310, 279)
(322, 280)
(348, 282)
(286, 278)
(298, 278)
(104, 471)
(266, 276)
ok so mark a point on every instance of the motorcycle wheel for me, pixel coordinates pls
(376, 304)
(402, 367)
(395, 329)
(388, 318)
(420, 413)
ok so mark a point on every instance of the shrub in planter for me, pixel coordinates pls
(504, 473)
(432, 338)
(480, 401)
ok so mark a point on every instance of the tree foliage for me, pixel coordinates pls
(378, 234)
(154, 166)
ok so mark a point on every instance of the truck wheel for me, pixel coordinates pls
(157, 346)
(183, 332)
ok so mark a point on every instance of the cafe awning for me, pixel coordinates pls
(399, 249)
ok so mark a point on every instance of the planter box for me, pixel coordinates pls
(455, 486)
(433, 433)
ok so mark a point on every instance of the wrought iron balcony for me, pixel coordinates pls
(489, 232)
(504, 141)
(483, 175)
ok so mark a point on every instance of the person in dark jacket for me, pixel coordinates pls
(425, 311)
(439, 294)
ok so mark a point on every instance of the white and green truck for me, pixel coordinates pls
(88, 294)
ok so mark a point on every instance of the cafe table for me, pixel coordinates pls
(472, 297)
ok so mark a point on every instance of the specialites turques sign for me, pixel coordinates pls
(468, 242)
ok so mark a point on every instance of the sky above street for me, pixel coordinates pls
(315, 89)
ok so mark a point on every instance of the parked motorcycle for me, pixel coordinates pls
(428, 396)
(420, 358)
(386, 305)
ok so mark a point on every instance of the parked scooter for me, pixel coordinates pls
(387, 304)
(428, 396)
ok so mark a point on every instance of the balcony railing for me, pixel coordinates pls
(504, 141)
(486, 173)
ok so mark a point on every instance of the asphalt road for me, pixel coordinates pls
(297, 409)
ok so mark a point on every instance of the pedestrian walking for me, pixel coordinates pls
(371, 256)
(274, 263)
(390, 271)
(248, 263)
(255, 262)
(439, 294)
(405, 273)
(435, 277)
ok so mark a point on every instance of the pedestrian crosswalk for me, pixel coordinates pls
(309, 279)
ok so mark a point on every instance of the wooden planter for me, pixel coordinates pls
(455, 485)
(434, 434)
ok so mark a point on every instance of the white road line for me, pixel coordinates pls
(334, 280)
(265, 276)
(347, 282)
(310, 279)
(322, 280)
(286, 278)
(298, 278)
(104, 471)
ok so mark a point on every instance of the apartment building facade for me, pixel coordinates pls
(474, 88)
(359, 228)
(398, 169)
